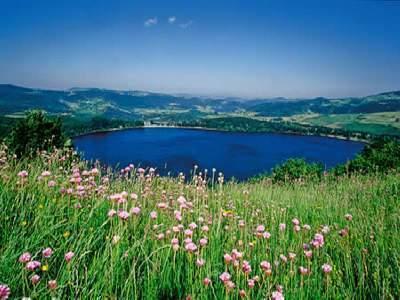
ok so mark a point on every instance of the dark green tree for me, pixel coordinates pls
(36, 132)
(295, 169)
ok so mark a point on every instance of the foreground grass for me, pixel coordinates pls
(68, 209)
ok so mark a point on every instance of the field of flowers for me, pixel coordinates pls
(74, 230)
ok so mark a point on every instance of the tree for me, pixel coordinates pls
(36, 132)
(296, 169)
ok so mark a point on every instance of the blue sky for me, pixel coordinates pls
(225, 48)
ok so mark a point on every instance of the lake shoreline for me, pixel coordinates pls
(338, 137)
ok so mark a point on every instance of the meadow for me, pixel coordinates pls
(70, 229)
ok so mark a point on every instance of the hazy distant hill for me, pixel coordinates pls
(85, 109)
(128, 104)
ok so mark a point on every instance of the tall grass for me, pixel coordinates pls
(135, 259)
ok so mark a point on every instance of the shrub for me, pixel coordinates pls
(296, 169)
(35, 132)
(382, 155)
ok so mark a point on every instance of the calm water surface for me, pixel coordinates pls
(239, 155)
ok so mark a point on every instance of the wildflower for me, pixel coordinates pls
(246, 268)
(242, 293)
(51, 183)
(134, 196)
(283, 258)
(303, 271)
(236, 254)
(205, 228)
(306, 227)
(251, 283)
(265, 266)
(94, 172)
(325, 229)
(123, 215)
(241, 223)
(25, 257)
(188, 232)
(44, 268)
(266, 235)
(68, 256)
(308, 253)
(260, 228)
(295, 221)
(282, 227)
(135, 210)
(200, 262)
(203, 242)
(227, 258)
(47, 253)
(160, 236)
(191, 247)
(115, 239)
(23, 174)
(52, 284)
(326, 268)
(318, 240)
(153, 215)
(178, 215)
(277, 296)
(174, 241)
(230, 285)
(175, 247)
(224, 277)
(296, 228)
(207, 281)
(4, 292)
(343, 232)
(192, 226)
(181, 200)
(46, 173)
(33, 265)
(291, 256)
(66, 234)
(35, 279)
(348, 217)
(162, 205)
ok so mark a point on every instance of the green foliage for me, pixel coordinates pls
(35, 132)
(126, 259)
(382, 155)
(297, 169)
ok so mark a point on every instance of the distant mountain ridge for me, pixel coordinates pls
(127, 104)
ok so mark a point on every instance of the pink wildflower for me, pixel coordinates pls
(33, 265)
(25, 257)
(68, 256)
(52, 284)
(207, 281)
(153, 215)
(48, 252)
(123, 215)
(326, 268)
(4, 292)
(200, 262)
(135, 210)
(35, 279)
(225, 277)
(191, 247)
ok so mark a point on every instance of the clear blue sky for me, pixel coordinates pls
(248, 48)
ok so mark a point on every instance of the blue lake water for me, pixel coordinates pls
(239, 155)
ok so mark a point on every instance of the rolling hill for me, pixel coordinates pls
(376, 114)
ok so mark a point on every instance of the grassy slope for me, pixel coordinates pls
(375, 123)
(366, 263)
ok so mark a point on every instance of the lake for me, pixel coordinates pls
(239, 155)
